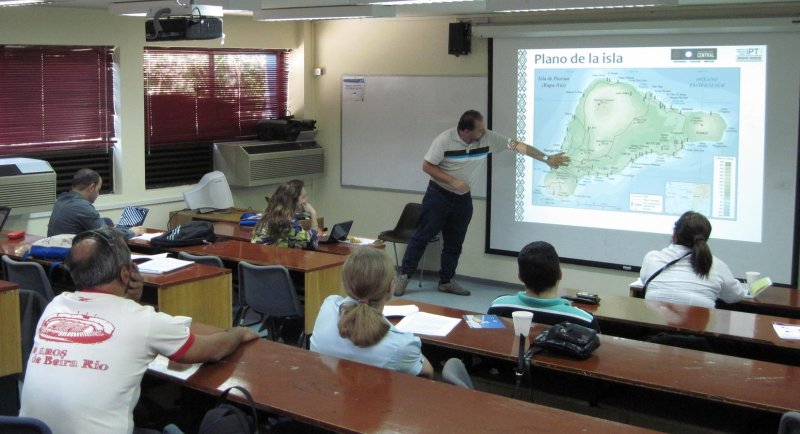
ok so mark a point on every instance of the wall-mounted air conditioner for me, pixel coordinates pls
(253, 163)
(27, 185)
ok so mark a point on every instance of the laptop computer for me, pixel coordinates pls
(338, 233)
(4, 212)
(133, 216)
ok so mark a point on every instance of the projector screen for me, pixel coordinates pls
(654, 125)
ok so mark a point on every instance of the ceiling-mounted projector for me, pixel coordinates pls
(166, 27)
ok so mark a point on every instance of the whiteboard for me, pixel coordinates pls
(389, 122)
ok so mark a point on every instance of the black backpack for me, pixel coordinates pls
(187, 234)
(229, 419)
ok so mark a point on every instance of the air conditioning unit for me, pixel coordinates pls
(27, 185)
(254, 163)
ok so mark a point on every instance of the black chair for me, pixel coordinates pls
(23, 425)
(29, 275)
(269, 291)
(543, 316)
(202, 259)
(403, 230)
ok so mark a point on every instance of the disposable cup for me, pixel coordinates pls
(522, 322)
(751, 276)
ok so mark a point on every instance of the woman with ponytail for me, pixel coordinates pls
(686, 272)
(354, 327)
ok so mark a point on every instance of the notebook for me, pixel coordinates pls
(133, 216)
(4, 212)
(338, 233)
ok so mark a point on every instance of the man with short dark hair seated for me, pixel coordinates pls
(92, 346)
(540, 271)
(74, 211)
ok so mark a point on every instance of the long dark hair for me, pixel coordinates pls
(692, 230)
(277, 217)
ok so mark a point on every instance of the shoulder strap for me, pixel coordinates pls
(250, 403)
(653, 276)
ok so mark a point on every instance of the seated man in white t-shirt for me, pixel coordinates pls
(92, 346)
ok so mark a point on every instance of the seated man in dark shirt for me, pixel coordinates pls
(74, 213)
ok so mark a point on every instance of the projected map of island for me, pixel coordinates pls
(659, 140)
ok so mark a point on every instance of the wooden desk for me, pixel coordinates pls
(626, 316)
(233, 215)
(10, 334)
(345, 396)
(198, 291)
(741, 382)
(322, 272)
(775, 300)
(244, 233)
(202, 292)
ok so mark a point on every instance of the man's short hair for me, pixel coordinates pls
(83, 178)
(102, 263)
(539, 268)
(468, 119)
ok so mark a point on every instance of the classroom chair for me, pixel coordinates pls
(403, 230)
(202, 259)
(29, 275)
(269, 291)
(23, 425)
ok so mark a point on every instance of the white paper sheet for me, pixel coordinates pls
(148, 236)
(424, 323)
(135, 256)
(180, 370)
(163, 265)
(402, 311)
(787, 331)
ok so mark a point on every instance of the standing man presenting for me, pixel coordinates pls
(453, 162)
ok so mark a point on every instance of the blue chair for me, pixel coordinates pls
(23, 425)
(29, 275)
(269, 291)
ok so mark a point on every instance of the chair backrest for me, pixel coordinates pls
(454, 372)
(268, 289)
(23, 425)
(544, 316)
(29, 275)
(407, 223)
(790, 423)
(200, 259)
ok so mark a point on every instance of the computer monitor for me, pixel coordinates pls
(212, 193)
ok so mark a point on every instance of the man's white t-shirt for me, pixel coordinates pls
(90, 352)
(463, 160)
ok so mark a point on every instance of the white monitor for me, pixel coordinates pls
(210, 194)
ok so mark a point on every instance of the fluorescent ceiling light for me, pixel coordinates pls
(566, 5)
(21, 2)
(149, 8)
(323, 13)
(413, 2)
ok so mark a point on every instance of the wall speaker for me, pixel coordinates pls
(460, 42)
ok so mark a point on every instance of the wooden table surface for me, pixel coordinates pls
(742, 382)
(742, 326)
(346, 396)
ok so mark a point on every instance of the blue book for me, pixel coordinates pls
(484, 322)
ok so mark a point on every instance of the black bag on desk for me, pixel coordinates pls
(229, 419)
(187, 234)
(569, 339)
